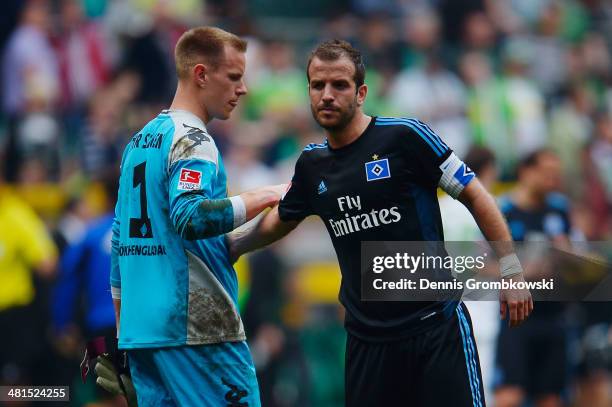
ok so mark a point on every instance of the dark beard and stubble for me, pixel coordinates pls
(344, 118)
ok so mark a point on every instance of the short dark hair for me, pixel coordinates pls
(532, 159)
(203, 44)
(479, 158)
(335, 49)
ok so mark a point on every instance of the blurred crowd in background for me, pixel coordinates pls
(80, 77)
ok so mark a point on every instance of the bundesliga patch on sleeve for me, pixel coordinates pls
(190, 180)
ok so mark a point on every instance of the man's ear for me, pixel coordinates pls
(361, 94)
(200, 75)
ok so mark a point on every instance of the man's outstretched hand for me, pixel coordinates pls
(516, 304)
(116, 384)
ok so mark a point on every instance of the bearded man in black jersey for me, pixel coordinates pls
(375, 179)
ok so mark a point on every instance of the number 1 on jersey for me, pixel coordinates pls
(141, 227)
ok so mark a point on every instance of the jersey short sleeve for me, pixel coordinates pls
(438, 164)
(295, 205)
(194, 176)
(192, 162)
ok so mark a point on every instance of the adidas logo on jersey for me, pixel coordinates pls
(322, 188)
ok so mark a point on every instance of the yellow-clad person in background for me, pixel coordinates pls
(25, 249)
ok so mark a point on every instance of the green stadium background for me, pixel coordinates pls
(80, 77)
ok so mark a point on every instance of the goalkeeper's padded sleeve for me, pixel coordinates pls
(203, 218)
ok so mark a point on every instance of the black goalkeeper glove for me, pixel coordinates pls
(111, 368)
(113, 382)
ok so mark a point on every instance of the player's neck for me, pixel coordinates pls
(350, 133)
(184, 99)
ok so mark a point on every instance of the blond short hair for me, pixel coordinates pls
(203, 45)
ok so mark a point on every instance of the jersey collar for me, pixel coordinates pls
(185, 113)
(355, 142)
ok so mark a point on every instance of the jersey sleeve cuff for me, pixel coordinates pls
(239, 210)
(455, 175)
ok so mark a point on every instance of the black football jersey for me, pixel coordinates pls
(381, 187)
(542, 224)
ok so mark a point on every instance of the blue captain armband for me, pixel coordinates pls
(455, 175)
